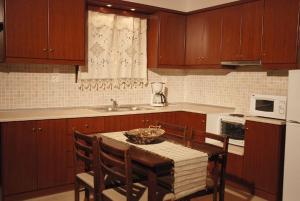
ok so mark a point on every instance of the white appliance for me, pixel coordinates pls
(291, 179)
(268, 106)
(218, 123)
(158, 99)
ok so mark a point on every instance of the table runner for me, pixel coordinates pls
(190, 166)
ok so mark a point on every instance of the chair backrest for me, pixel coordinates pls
(174, 132)
(85, 148)
(209, 138)
(115, 163)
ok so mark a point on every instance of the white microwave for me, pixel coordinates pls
(268, 106)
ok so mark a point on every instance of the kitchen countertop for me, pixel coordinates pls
(62, 113)
(77, 112)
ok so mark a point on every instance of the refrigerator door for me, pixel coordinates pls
(293, 104)
(291, 179)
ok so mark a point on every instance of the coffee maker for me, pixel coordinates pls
(158, 99)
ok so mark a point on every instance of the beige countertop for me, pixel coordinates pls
(63, 113)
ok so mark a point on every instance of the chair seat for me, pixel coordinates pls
(86, 178)
(139, 193)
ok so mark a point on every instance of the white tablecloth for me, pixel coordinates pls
(190, 166)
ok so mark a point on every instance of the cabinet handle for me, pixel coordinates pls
(143, 121)
(246, 128)
(40, 129)
(51, 50)
(33, 129)
(45, 50)
(147, 121)
(203, 121)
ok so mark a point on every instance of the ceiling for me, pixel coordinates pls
(182, 5)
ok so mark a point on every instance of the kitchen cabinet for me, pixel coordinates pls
(42, 31)
(203, 38)
(280, 34)
(234, 168)
(88, 125)
(263, 159)
(34, 155)
(166, 40)
(242, 32)
(195, 122)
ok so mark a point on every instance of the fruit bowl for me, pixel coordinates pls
(144, 135)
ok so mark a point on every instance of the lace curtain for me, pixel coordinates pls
(117, 52)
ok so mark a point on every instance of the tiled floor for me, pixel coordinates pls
(231, 195)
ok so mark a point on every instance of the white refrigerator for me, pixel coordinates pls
(291, 179)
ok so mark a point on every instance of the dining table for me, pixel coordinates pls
(156, 166)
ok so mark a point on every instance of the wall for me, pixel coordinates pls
(231, 89)
(36, 86)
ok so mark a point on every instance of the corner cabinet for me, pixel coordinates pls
(203, 38)
(280, 34)
(45, 31)
(263, 158)
(166, 40)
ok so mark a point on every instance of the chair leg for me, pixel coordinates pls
(86, 194)
(76, 191)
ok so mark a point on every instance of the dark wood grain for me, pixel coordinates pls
(280, 32)
(67, 29)
(235, 165)
(264, 152)
(171, 39)
(26, 27)
(231, 33)
(203, 38)
(251, 41)
(51, 153)
(19, 149)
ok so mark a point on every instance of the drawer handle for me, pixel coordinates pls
(51, 50)
(40, 129)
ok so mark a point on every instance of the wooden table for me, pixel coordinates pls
(155, 165)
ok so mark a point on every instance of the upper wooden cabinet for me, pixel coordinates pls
(166, 40)
(242, 32)
(42, 31)
(203, 38)
(280, 33)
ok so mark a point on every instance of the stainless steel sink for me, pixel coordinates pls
(121, 108)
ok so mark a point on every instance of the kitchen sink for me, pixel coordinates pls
(121, 108)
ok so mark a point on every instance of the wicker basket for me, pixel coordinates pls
(144, 135)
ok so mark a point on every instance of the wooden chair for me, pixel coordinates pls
(174, 132)
(115, 162)
(217, 148)
(85, 148)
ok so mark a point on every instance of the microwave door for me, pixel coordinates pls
(264, 105)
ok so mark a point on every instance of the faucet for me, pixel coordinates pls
(114, 104)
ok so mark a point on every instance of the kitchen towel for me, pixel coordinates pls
(117, 52)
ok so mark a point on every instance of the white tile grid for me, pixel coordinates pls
(233, 89)
(31, 86)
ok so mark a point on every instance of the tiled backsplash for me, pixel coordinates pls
(233, 89)
(40, 86)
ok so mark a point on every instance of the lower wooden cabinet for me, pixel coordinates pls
(34, 155)
(263, 159)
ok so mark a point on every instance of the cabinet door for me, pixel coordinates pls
(195, 27)
(51, 153)
(171, 39)
(123, 122)
(19, 157)
(203, 38)
(263, 156)
(231, 33)
(280, 32)
(252, 16)
(26, 28)
(197, 122)
(66, 29)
